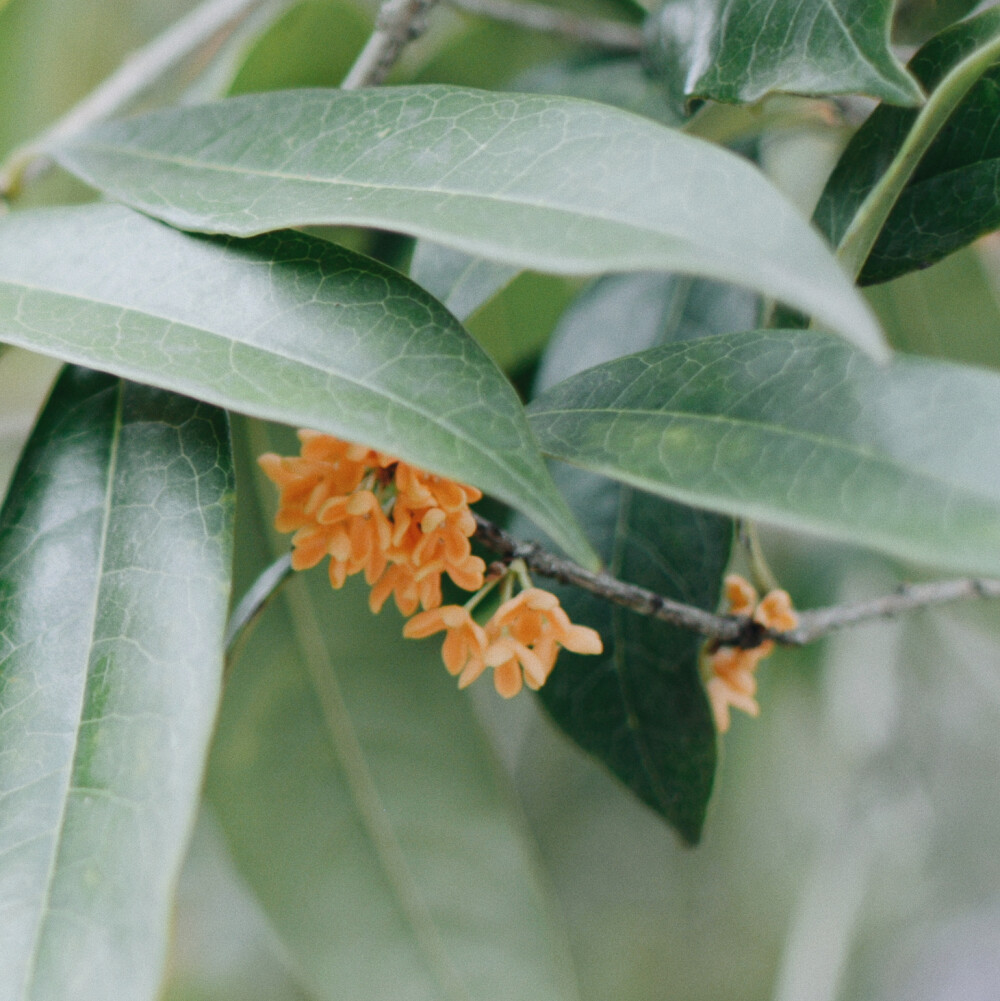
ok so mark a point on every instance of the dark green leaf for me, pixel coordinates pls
(953, 195)
(287, 327)
(549, 183)
(365, 810)
(796, 428)
(741, 50)
(640, 708)
(115, 548)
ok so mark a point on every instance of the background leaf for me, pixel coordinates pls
(544, 182)
(312, 44)
(460, 281)
(363, 806)
(115, 544)
(740, 50)
(950, 310)
(796, 428)
(287, 327)
(640, 708)
(953, 196)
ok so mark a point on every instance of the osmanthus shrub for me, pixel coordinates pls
(579, 234)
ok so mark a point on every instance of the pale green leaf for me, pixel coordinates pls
(550, 183)
(797, 428)
(287, 327)
(115, 549)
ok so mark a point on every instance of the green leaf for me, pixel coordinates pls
(548, 183)
(365, 810)
(640, 708)
(797, 428)
(950, 192)
(741, 50)
(286, 327)
(115, 548)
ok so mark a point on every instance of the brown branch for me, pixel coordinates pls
(729, 629)
(616, 36)
(399, 22)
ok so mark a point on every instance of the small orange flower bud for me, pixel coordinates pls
(731, 679)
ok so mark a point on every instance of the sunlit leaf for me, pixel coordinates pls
(549, 183)
(797, 428)
(287, 327)
(115, 546)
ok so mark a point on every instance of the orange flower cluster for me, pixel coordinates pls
(405, 528)
(370, 512)
(731, 680)
(520, 641)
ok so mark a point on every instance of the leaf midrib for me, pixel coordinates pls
(774, 429)
(116, 432)
(533, 202)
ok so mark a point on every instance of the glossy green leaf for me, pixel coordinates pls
(287, 327)
(366, 812)
(549, 183)
(741, 50)
(797, 428)
(115, 546)
(952, 195)
(640, 708)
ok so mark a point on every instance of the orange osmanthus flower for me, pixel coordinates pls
(403, 527)
(731, 679)
(520, 641)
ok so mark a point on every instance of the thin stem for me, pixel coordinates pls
(857, 242)
(725, 628)
(760, 571)
(206, 27)
(399, 22)
(613, 35)
(250, 606)
(819, 621)
(732, 630)
(729, 629)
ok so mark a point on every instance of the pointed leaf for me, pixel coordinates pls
(953, 194)
(364, 808)
(741, 50)
(543, 182)
(114, 576)
(641, 708)
(796, 428)
(287, 327)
